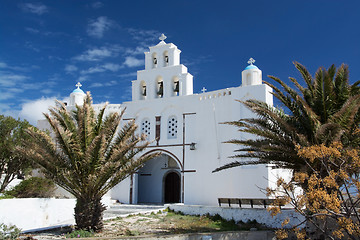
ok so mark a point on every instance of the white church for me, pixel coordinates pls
(186, 129)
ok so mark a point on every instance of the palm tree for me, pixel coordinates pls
(89, 156)
(324, 110)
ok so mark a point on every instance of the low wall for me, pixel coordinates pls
(261, 215)
(34, 213)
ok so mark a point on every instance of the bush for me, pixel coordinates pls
(9, 232)
(80, 234)
(33, 187)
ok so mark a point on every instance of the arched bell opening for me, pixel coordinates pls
(166, 58)
(154, 60)
(175, 86)
(159, 87)
(142, 90)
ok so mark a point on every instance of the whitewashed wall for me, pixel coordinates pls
(261, 215)
(33, 213)
(204, 128)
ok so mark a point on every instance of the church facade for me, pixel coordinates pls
(186, 129)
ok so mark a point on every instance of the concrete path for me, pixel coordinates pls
(115, 210)
(123, 210)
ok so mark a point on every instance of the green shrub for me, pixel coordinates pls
(5, 195)
(79, 234)
(9, 232)
(33, 187)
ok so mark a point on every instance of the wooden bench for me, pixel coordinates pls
(246, 201)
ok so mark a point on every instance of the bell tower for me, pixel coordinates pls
(251, 75)
(77, 96)
(163, 76)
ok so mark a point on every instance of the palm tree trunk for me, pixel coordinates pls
(89, 214)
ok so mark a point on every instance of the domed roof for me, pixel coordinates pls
(251, 67)
(78, 90)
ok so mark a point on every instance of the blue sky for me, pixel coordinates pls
(46, 47)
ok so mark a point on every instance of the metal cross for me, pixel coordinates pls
(203, 89)
(251, 61)
(162, 37)
(78, 85)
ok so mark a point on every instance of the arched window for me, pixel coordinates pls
(145, 127)
(172, 127)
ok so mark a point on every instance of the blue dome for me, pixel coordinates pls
(251, 67)
(78, 90)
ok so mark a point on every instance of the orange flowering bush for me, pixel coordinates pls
(330, 202)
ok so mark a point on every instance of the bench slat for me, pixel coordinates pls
(246, 201)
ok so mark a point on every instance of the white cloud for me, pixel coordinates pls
(112, 67)
(10, 79)
(82, 79)
(107, 84)
(96, 54)
(102, 68)
(97, 5)
(137, 51)
(3, 65)
(125, 75)
(70, 68)
(133, 62)
(6, 95)
(97, 27)
(32, 30)
(33, 110)
(46, 91)
(93, 70)
(36, 8)
(16, 68)
(144, 36)
(93, 85)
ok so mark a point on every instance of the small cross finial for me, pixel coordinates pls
(251, 61)
(162, 37)
(78, 85)
(203, 90)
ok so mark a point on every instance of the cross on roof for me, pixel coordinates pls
(251, 61)
(203, 89)
(78, 85)
(162, 37)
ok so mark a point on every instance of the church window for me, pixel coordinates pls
(172, 127)
(145, 127)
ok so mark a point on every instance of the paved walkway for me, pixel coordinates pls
(122, 210)
(115, 210)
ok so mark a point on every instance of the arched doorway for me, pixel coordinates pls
(172, 187)
(159, 181)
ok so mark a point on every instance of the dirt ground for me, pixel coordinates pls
(159, 223)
